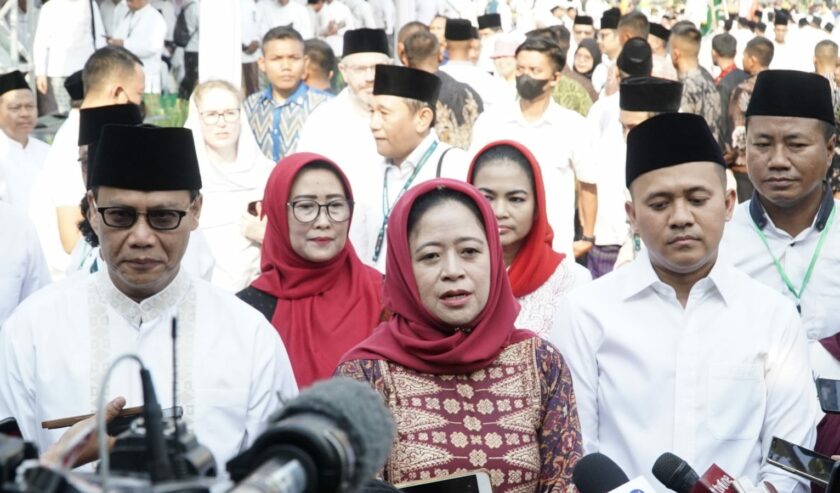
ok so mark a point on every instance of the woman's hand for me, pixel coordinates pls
(79, 444)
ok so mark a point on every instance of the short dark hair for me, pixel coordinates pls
(803, 22)
(504, 152)
(410, 28)
(544, 33)
(562, 36)
(280, 33)
(725, 45)
(435, 197)
(421, 46)
(548, 48)
(320, 54)
(105, 63)
(687, 34)
(635, 22)
(762, 49)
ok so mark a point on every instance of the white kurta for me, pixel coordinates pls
(18, 166)
(560, 142)
(538, 311)
(143, 32)
(370, 209)
(493, 91)
(63, 40)
(340, 15)
(23, 269)
(713, 382)
(271, 14)
(112, 14)
(57, 346)
(250, 28)
(742, 247)
(340, 130)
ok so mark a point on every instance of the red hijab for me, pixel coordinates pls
(536, 261)
(323, 308)
(414, 337)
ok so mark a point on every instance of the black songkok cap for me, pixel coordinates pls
(660, 31)
(490, 21)
(12, 81)
(761, 26)
(458, 30)
(146, 158)
(473, 32)
(365, 41)
(635, 58)
(650, 94)
(91, 120)
(667, 140)
(781, 18)
(610, 18)
(791, 93)
(393, 80)
(583, 20)
(75, 87)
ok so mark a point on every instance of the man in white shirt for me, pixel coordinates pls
(610, 45)
(66, 36)
(23, 269)
(786, 236)
(21, 155)
(142, 32)
(112, 12)
(112, 75)
(250, 46)
(557, 137)
(785, 54)
(658, 41)
(489, 30)
(334, 20)
(402, 122)
(679, 351)
(57, 345)
(458, 36)
(276, 13)
(339, 128)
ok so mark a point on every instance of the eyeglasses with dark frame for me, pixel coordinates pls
(212, 117)
(307, 211)
(125, 217)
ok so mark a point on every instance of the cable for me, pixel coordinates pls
(101, 429)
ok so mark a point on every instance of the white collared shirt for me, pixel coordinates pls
(250, 29)
(560, 142)
(112, 14)
(143, 32)
(712, 382)
(56, 346)
(63, 39)
(271, 14)
(370, 210)
(23, 269)
(19, 166)
(493, 91)
(742, 246)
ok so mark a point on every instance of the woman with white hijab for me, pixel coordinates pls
(234, 172)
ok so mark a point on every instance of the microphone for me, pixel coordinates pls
(332, 438)
(160, 469)
(678, 476)
(597, 473)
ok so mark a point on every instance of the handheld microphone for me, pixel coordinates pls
(160, 469)
(678, 476)
(597, 473)
(331, 439)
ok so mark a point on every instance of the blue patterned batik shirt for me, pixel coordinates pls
(277, 125)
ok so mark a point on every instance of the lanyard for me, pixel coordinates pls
(781, 270)
(387, 208)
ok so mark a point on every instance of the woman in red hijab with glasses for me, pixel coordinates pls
(508, 175)
(317, 293)
(466, 388)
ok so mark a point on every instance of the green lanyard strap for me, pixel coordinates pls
(798, 293)
(387, 208)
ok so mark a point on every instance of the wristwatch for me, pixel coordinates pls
(590, 239)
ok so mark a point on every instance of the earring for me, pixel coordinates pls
(637, 242)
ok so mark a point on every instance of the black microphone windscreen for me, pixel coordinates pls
(674, 473)
(359, 411)
(597, 473)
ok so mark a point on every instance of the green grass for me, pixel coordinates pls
(165, 110)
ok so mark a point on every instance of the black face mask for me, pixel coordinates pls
(529, 87)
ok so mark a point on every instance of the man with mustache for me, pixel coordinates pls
(679, 351)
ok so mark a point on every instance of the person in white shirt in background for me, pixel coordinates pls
(557, 137)
(583, 28)
(233, 367)
(384, 15)
(274, 13)
(112, 75)
(234, 172)
(458, 9)
(458, 36)
(64, 39)
(27, 22)
(784, 52)
(504, 59)
(23, 269)
(658, 41)
(21, 155)
(334, 20)
(190, 10)
(500, 7)
(362, 13)
(610, 45)
(112, 12)
(250, 47)
(339, 129)
(489, 30)
(142, 32)
(402, 123)
(722, 356)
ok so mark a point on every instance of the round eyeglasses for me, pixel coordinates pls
(212, 117)
(125, 217)
(307, 211)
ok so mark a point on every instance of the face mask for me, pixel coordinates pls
(529, 87)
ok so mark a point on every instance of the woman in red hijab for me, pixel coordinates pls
(508, 175)
(466, 388)
(317, 293)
